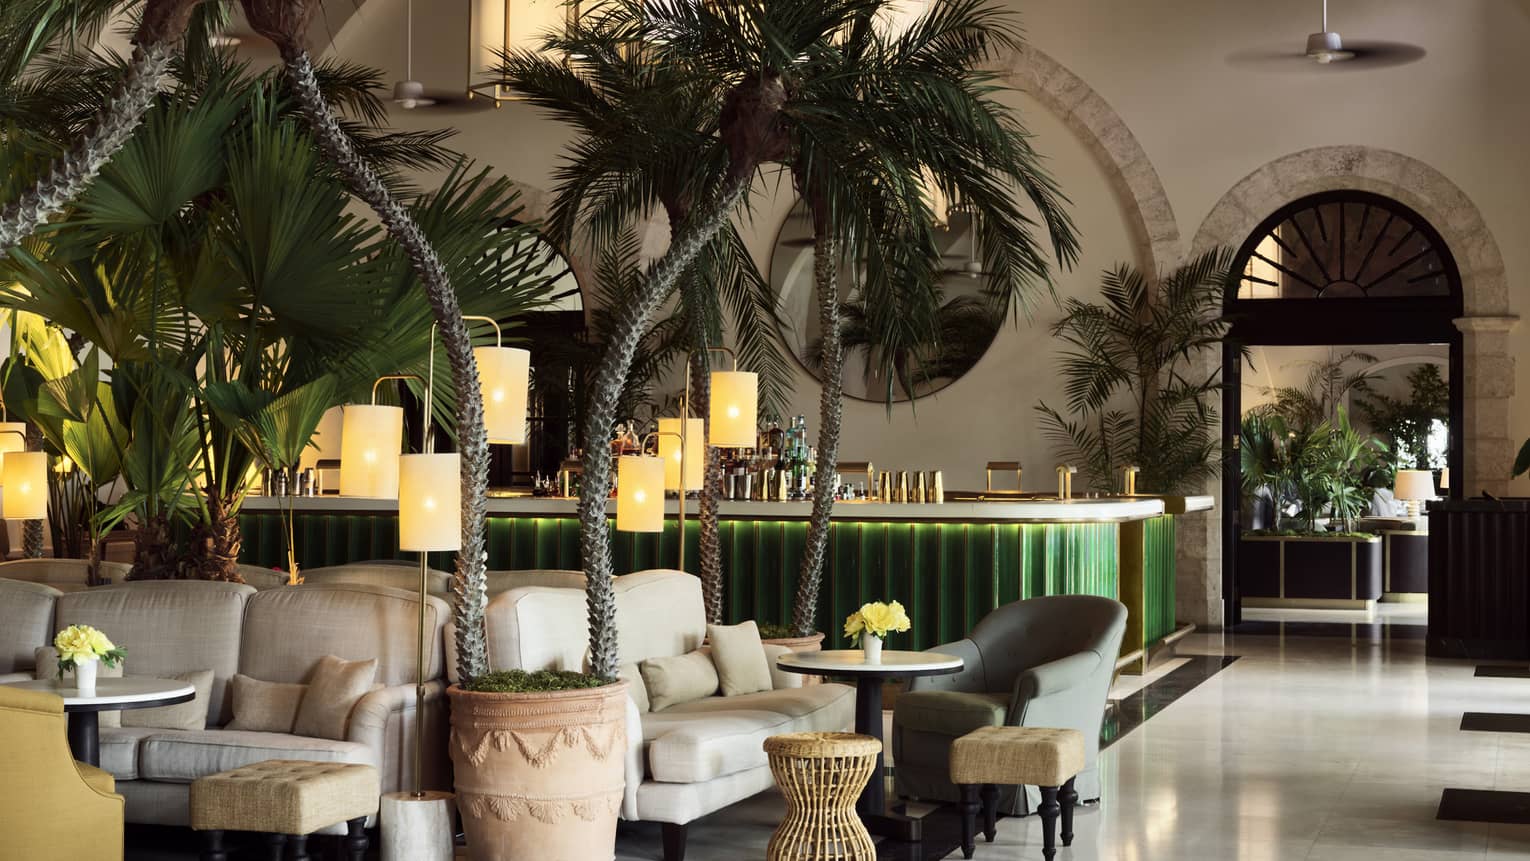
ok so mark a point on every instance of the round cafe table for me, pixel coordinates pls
(133, 692)
(851, 663)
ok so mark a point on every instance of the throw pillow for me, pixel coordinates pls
(678, 679)
(47, 668)
(265, 706)
(635, 687)
(739, 656)
(333, 689)
(189, 715)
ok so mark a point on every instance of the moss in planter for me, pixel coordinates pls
(541, 681)
(771, 631)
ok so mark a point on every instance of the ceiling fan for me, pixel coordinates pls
(1328, 49)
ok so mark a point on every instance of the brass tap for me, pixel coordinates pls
(938, 489)
(1065, 481)
(1131, 479)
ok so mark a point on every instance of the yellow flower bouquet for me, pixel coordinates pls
(877, 619)
(78, 644)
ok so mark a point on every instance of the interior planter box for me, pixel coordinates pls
(1334, 572)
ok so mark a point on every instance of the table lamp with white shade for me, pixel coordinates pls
(1413, 486)
(1444, 479)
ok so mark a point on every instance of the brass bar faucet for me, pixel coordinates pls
(1065, 481)
(1131, 479)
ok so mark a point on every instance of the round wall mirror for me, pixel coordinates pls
(969, 318)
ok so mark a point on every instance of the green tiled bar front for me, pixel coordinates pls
(948, 574)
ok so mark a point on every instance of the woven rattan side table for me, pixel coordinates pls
(821, 774)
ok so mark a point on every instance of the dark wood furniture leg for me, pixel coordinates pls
(969, 819)
(212, 846)
(275, 843)
(674, 841)
(356, 838)
(1068, 797)
(299, 847)
(1048, 811)
(990, 812)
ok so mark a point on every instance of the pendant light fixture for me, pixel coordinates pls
(409, 93)
(497, 26)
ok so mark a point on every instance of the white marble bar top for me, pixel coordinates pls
(1030, 510)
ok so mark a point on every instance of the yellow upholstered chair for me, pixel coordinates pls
(51, 807)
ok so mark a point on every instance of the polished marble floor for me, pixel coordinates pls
(1323, 747)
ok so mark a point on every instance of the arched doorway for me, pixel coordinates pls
(1336, 269)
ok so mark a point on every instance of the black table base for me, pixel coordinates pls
(879, 817)
(85, 737)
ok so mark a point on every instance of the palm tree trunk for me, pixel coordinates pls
(710, 540)
(831, 358)
(32, 539)
(470, 583)
(72, 172)
(216, 543)
(631, 322)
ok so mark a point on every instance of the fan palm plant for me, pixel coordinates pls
(1140, 345)
(30, 27)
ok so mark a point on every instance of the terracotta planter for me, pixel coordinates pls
(810, 643)
(540, 776)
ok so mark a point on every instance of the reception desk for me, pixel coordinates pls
(950, 564)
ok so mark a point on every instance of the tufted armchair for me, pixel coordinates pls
(1045, 662)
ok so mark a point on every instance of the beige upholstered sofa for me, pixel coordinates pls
(689, 759)
(399, 575)
(275, 635)
(65, 575)
(26, 622)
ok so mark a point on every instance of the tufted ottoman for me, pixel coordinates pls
(287, 799)
(1048, 759)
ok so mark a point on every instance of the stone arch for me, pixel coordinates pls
(1086, 113)
(1488, 368)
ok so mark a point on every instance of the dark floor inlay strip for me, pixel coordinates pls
(1485, 805)
(1499, 671)
(1495, 722)
(1134, 710)
(1373, 632)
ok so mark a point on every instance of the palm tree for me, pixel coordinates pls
(1141, 343)
(599, 96)
(886, 117)
(31, 26)
(285, 22)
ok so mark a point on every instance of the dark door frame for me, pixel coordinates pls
(1328, 322)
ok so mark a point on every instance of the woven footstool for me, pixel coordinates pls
(288, 800)
(821, 774)
(1048, 759)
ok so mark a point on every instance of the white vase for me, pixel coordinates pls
(871, 644)
(85, 676)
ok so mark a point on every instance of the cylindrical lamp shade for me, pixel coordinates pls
(504, 375)
(25, 477)
(1414, 484)
(430, 502)
(371, 437)
(695, 452)
(11, 442)
(639, 493)
(1445, 478)
(735, 403)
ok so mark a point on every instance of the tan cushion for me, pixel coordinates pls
(284, 797)
(191, 714)
(47, 668)
(635, 687)
(739, 657)
(181, 757)
(1017, 755)
(265, 706)
(333, 690)
(719, 736)
(678, 679)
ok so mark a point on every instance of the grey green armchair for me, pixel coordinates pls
(1045, 662)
